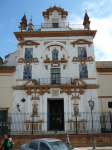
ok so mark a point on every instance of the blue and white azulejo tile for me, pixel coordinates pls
(83, 72)
(28, 54)
(82, 54)
(55, 54)
(27, 74)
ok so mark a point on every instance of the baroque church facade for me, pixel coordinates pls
(55, 73)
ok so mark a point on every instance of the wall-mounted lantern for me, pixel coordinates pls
(18, 107)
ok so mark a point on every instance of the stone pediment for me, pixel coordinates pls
(29, 43)
(51, 9)
(81, 41)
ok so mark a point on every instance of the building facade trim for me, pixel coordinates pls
(80, 42)
(29, 43)
(22, 35)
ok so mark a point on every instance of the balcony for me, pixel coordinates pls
(51, 81)
(57, 25)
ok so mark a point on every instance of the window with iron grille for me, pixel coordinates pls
(3, 116)
(55, 54)
(55, 76)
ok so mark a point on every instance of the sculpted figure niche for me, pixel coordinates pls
(35, 110)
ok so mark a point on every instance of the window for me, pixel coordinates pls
(55, 25)
(44, 146)
(3, 116)
(82, 54)
(4, 122)
(28, 54)
(55, 76)
(34, 145)
(27, 74)
(55, 54)
(83, 72)
(109, 104)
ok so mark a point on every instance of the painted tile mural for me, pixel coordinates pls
(55, 54)
(82, 54)
(28, 54)
(83, 72)
(27, 74)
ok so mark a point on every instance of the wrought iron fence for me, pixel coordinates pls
(55, 80)
(28, 123)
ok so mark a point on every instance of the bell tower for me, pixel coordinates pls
(55, 17)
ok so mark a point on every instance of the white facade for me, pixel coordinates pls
(73, 94)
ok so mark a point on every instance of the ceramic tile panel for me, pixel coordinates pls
(83, 72)
(82, 54)
(28, 54)
(55, 54)
(27, 74)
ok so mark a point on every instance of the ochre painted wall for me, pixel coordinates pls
(104, 79)
(7, 80)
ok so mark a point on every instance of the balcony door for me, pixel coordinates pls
(55, 76)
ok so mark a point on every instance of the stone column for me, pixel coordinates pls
(82, 106)
(40, 109)
(28, 105)
(69, 99)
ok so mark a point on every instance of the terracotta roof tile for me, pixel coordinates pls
(103, 64)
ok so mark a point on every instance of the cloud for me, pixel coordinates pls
(101, 23)
(92, 6)
(12, 20)
(97, 9)
(11, 40)
(1, 26)
(103, 38)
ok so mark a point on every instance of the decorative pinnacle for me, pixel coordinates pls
(31, 19)
(54, 4)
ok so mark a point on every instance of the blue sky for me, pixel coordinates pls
(100, 13)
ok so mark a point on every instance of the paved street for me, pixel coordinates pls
(88, 148)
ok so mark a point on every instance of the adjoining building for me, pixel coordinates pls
(104, 79)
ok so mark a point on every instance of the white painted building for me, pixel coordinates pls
(55, 74)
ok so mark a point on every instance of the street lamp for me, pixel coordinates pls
(91, 104)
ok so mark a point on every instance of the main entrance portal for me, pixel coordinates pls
(55, 115)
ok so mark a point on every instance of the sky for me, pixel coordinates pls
(99, 11)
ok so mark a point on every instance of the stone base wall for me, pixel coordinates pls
(75, 140)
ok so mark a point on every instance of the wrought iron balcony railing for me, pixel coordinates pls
(58, 80)
(57, 25)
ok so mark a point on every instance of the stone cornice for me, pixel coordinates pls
(89, 86)
(7, 70)
(22, 35)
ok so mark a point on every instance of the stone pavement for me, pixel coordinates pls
(88, 148)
